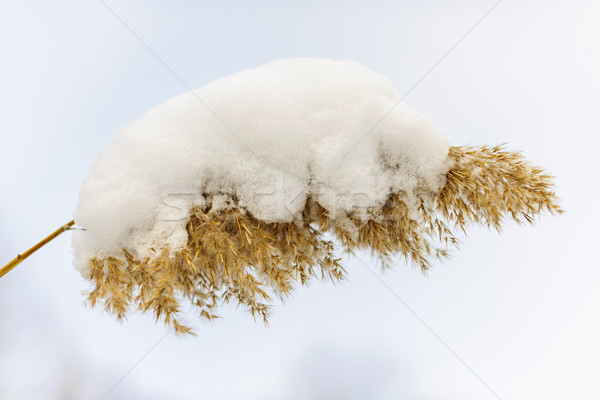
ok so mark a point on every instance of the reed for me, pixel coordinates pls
(233, 257)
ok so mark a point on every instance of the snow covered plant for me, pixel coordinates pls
(252, 184)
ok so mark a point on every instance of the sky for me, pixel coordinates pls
(510, 316)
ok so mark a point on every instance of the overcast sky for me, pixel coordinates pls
(511, 316)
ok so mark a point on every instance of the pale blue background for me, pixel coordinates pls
(521, 309)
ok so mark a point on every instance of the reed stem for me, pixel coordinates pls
(17, 260)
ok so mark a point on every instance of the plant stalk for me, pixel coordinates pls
(17, 260)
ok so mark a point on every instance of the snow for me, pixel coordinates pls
(270, 137)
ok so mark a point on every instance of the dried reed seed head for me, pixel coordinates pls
(232, 256)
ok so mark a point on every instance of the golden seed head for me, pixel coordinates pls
(232, 256)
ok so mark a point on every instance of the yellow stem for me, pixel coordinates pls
(17, 260)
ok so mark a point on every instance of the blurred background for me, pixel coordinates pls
(514, 316)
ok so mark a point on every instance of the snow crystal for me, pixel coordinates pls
(262, 140)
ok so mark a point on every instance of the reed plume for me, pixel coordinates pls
(232, 256)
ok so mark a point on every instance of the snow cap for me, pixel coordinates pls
(263, 140)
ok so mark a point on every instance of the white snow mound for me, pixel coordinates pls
(267, 137)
